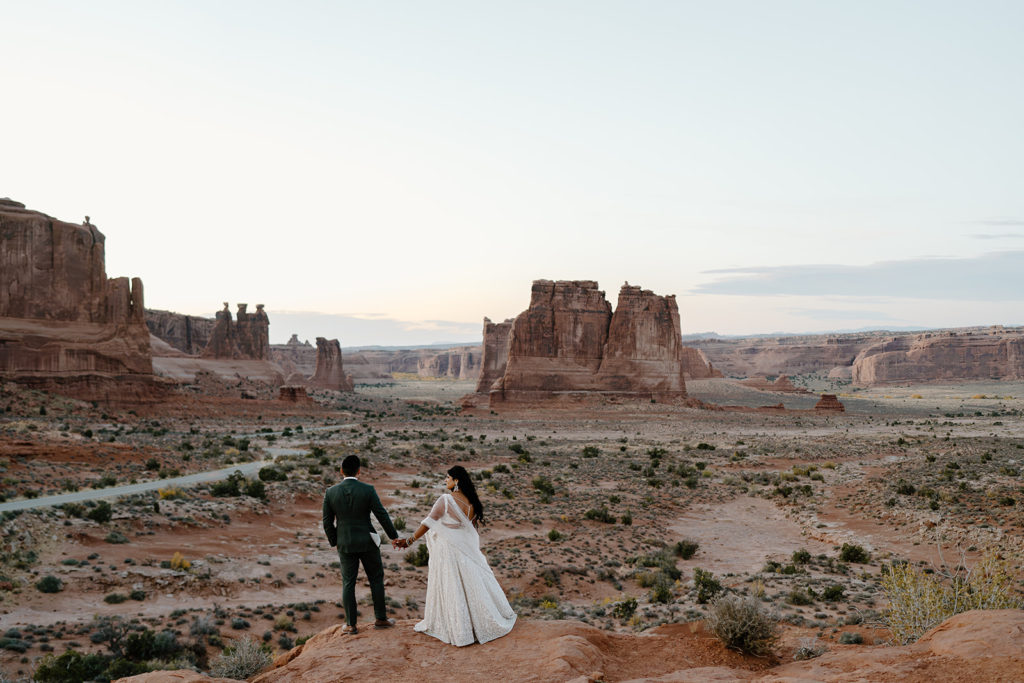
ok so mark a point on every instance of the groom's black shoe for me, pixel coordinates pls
(348, 628)
(384, 623)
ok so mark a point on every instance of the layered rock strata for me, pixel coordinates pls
(781, 384)
(64, 326)
(245, 338)
(954, 356)
(829, 404)
(568, 342)
(495, 354)
(187, 333)
(330, 373)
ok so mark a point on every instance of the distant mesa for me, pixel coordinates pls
(570, 345)
(64, 326)
(293, 394)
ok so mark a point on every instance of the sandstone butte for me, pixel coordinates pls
(64, 326)
(569, 344)
(975, 647)
(330, 373)
(248, 337)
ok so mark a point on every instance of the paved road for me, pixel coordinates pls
(246, 468)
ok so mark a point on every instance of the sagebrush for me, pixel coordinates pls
(744, 624)
(245, 659)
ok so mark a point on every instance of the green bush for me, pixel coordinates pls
(49, 584)
(116, 537)
(833, 593)
(685, 548)
(854, 553)
(744, 624)
(706, 584)
(115, 598)
(591, 451)
(801, 556)
(272, 474)
(419, 557)
(625, 609)
(851, 638)
(102, 513)
(600, 515)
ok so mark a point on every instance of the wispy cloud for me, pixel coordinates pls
(842, 314)
(989, 277)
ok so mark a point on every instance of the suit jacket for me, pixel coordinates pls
(347, 508)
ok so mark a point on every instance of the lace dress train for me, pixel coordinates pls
(464, 602)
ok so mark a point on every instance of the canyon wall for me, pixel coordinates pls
(64, 326)
(188, 333)
(953, 356)
(247, 337)
(495, 354)
(568, 342)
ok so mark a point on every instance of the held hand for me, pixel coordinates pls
(399, 543)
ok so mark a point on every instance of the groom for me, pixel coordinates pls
(350, 503)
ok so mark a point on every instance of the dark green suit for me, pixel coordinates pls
(347, 508)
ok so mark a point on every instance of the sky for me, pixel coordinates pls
(392, 172)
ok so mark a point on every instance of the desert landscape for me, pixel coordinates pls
(631, 491)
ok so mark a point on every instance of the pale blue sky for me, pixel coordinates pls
(780, 166)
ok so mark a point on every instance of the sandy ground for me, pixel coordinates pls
(750, 489)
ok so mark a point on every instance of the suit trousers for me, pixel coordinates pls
(374, 568)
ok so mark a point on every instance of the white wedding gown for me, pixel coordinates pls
(464, 603)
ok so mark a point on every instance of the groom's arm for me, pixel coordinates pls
(329, 528)
(382, 515)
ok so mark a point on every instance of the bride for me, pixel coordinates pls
(464, 601)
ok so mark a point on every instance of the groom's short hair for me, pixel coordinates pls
(350, 466)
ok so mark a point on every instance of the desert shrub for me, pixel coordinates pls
(809, 648)
(544, 485)
(170, 493)
(919, 601)
(600, 515)
(706, 584)
(554, 535)
(239, 623)
(854, 553)
(245, 659)
(685, 548)
(115, 598)
(102, 513)
(178, 563)
(833, 593)
(14, 644)
(153, 464)
(399, 523)
(49, 584)
(851, 638)
(272, 474)
(116, 537)
(419, 557)
(625, 609)
(744, 624)
(801, 556)
(799, 597)
(627, 518)
(70, 666)
(591, 451)
(256, 489)
(139, 595)
(661, 591)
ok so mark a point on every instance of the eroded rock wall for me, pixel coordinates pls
(64, 326)
(495, 354)
(979, 354)
(569, 342)
(187, 333)
(245, 338)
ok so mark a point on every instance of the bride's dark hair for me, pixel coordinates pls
(459, 474)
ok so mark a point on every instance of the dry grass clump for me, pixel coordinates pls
(245, 659)
(744, 624)
(919, 602)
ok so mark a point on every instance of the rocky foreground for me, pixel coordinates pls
(980, 646)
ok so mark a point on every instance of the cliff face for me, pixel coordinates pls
(995, 353)
(330, 374)
(495, 354)
(569, 341)
(64, 326)
(187, 333)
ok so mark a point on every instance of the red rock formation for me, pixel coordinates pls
(495, 354)
(64, 326)
(248, 338)
(187, 333)
(293, 394)
(829, 404)
(296, 359)
(568, 341)
(994, 353)
(975, 647)
(458, 363)
(697, 366)
(330, 372)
